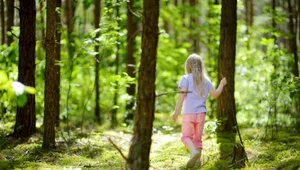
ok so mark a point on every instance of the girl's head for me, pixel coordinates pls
(195, 66)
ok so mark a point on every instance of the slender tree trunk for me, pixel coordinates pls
(130, 61)
(42, 23)
(166, 22)
(97, 14)
(226, 110)
(25, 118)
(51, 76)
(3, 35)
(141, 142)
(293, 40)
(57, 58)
(114, 121)
(10, 11)
(194, 26)
(70, 12)
(273, 20)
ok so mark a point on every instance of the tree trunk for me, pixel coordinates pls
(42, 25)
(273, 20)
(114, 121)
(3, 35)
(10, 11)
(226, 110)
(194, 26)
(25, 118)
(51, 76)
(293, 40)
(226, 66)
(141, 142)
(130, 61)
(70, 12)
(57, 66)
(97, 14)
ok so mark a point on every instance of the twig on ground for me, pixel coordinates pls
(118, 149)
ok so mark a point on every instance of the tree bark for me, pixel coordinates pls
(114, 120)
(194, 26)
(57, 66)
(25, 118)
(97, 16)
(3, 35)
(293, 40)
(141, 142)
(51, 76)
(130, 61)
(226, 66)
(70, 12)
(42, 23)
(10, 11)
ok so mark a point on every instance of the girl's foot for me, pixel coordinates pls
(198, 164)
(194, 157)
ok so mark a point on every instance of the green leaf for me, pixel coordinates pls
(22, 100)
(30, 90)
(3, 77)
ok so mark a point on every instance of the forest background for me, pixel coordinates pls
(99, 59)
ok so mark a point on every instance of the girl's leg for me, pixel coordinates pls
(199, 126)
(197, 137)
(187, 129)
(188, 132)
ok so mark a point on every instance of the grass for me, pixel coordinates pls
(92, 150)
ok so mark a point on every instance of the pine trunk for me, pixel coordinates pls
(226, 66)
(50, 77)
(114, 120)
(226, 110)
(25, 118)
(293, 40)
(144, 115)
(2, 22)
(10, 11)
(97, 14)
(130, 61)
(57, 66)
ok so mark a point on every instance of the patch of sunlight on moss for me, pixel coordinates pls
(111, 158)
(75, 161)
(171, 155)
(36, 165)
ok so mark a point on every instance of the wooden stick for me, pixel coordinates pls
(118, 149)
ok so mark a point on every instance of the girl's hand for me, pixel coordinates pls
(224, 81)
(175, 116)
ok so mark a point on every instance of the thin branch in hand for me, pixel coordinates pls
(172, 92)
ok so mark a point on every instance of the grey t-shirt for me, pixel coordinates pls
(193, 103)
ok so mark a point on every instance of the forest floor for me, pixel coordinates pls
(91, 149)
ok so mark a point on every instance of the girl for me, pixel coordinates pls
(194, 88)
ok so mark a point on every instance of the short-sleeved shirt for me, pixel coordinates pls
(193, 103)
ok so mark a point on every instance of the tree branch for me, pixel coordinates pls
(118, 149)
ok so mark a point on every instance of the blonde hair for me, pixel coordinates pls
(195, 66)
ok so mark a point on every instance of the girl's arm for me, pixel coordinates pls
(181, 97)
(216, 93)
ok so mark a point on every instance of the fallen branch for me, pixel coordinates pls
(118, 149)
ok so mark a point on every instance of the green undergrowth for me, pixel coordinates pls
(91, 149)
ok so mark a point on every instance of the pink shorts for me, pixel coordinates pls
(192, 128)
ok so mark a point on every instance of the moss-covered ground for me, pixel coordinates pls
(91, 149)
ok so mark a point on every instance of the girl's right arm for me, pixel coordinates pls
(216, 93)
(181, 97)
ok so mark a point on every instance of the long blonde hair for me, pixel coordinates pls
(195, 66)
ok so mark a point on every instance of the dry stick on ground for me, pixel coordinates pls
(118, 149)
